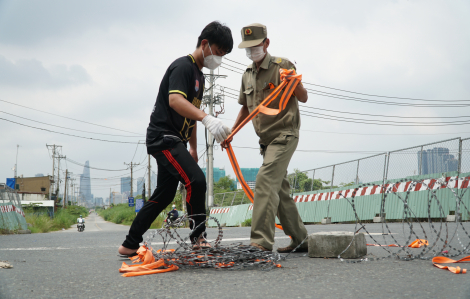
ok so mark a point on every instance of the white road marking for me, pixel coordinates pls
(115, 246)
(223, 240)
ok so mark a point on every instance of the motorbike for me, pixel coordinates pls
(168, 223)
(81, 227)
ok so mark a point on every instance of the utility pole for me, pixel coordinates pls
(132, 177)
(210, 101)
(16, 163)
(210, 150)
(65, 189)
(53, 181)
(149, 178)
(58, 174)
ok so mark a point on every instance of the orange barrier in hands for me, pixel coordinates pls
(290, 80)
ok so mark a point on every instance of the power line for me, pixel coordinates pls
(381, 123)
(382, 96)
(372, 95)
(80, 164)
(234, 67)
(234, 61)
(348, 98)
(82, 121)
(90, 138)
(112, 177)
(230, 69)
(66, 127)
(378, 115)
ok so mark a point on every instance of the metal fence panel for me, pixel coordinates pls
(434, 158)
(444, 159)
(465, 155)
(11, 211)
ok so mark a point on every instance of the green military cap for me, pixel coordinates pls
(253, 35)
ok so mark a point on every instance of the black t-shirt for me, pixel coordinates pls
(184, 77)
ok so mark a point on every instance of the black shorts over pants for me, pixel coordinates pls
(175, 164)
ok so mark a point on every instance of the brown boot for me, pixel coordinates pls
(289, 249)
(259, 247)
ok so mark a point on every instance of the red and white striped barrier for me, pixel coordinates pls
(377, 189)
(11, 208)
(219, 210)
(250, 208)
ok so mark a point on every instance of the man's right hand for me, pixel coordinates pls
(216, 127)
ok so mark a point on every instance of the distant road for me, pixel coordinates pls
(95, 223)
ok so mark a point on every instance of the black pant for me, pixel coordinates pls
(174, 165)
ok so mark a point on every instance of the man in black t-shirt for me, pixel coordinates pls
(172, 126)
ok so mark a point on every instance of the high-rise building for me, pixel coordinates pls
(140, 186)
(85, 185)
(249, 174)
(218, 173)
(437, 160)
(126, 185)
(98, 201)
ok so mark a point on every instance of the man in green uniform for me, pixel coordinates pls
(279, 136)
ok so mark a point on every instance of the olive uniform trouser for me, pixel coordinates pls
(272, 196)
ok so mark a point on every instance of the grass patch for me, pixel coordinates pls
(123, 214)
(247, 222)
(63, 218)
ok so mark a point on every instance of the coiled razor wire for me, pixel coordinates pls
(439, 234)
(237, 256)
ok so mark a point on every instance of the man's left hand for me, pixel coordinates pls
(193, 154)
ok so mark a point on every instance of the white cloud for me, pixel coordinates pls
(27, 73)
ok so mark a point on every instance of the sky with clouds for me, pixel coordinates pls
(94, 67)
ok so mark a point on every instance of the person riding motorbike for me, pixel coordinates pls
(172, 215)
(81, 221)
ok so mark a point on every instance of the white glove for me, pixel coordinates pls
(216, 127)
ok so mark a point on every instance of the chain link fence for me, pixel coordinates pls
(433, 158)
(451, 156)
(230, 198)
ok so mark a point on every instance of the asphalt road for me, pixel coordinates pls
(69, 264)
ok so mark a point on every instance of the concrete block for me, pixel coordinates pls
(331, 244)
(378, 219)
(326, 220)
(451, 218)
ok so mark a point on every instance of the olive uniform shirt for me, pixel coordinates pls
(255, 88)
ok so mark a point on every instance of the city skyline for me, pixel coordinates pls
(85, 184)
(436, 160)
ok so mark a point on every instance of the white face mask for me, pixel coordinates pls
(255, 53)
(212, 61)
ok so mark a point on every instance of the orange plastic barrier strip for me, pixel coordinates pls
(290, 80)
(148, 266)
(445, 260)
(415, 244)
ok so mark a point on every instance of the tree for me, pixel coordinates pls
(300, 182)
(225, 184)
